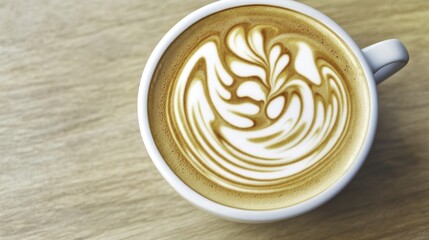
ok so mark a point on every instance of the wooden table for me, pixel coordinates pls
(73, 165)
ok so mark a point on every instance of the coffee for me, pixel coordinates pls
(258, 107)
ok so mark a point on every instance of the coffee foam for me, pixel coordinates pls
(250, 112)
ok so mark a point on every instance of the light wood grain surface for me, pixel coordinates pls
(72, 163)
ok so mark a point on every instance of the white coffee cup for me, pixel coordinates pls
(378, 62)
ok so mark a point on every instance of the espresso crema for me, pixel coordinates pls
(258, 107)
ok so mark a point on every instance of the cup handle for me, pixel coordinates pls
(386, 58)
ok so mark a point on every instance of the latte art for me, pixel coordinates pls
(266, 110)
(258, 107)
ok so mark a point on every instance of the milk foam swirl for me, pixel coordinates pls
(253, 109)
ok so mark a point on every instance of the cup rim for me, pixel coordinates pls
(227, 212)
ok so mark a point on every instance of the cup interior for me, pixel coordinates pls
(236, 214)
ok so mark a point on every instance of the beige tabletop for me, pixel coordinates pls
(73, 165)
